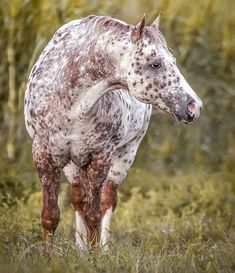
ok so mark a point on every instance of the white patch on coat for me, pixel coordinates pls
(105, 228)
(188, 89)
(80, 232)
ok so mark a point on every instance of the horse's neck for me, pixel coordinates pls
(107, 60)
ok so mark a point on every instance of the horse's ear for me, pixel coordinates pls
(137, 31)
(156, 22)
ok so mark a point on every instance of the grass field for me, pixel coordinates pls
(184, 223)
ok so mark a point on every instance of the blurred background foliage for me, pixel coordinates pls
(174, 161)
(201, 36)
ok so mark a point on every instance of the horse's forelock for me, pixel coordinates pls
(155, 36)
(98, 25)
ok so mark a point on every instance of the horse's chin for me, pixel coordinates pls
(176, 115)
(181, 119)
(158, 110)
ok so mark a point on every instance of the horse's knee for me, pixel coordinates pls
(117, 176)
(108, 196)
(50, 224)
(118, 171)
(50, 217)
(78, 196)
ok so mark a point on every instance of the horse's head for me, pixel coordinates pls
(154, 78)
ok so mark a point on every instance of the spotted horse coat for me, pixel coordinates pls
(88, 104)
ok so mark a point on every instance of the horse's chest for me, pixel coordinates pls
(110, 126)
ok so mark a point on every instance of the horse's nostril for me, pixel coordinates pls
(192, 107)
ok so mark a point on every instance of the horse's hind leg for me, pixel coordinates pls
(49, 174)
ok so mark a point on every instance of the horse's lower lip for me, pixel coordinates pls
(180, 119)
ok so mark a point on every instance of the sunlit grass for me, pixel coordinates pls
(184, 224)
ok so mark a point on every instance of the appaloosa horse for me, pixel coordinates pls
(88, 104)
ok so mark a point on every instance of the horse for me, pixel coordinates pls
(88, 103)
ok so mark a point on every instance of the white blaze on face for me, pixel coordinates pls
(81, 234)
(182, 83)
(105, 228)
(187, 88)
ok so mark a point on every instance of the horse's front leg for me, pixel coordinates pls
(48, 174)
(120, 163)
(96, 174)
(108, 204)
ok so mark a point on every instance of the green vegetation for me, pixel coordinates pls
(176, 208)
(183, 224)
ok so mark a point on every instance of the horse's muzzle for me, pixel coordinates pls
(190, 112)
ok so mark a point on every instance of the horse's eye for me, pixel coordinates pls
(156, 64)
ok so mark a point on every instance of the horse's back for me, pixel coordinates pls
(47, 95)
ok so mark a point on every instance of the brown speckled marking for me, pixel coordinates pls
(108, 196)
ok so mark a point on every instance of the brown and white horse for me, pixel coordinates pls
(88, 104)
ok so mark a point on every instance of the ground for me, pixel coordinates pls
(184, 223)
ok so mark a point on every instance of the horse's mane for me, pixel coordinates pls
(98, 25)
